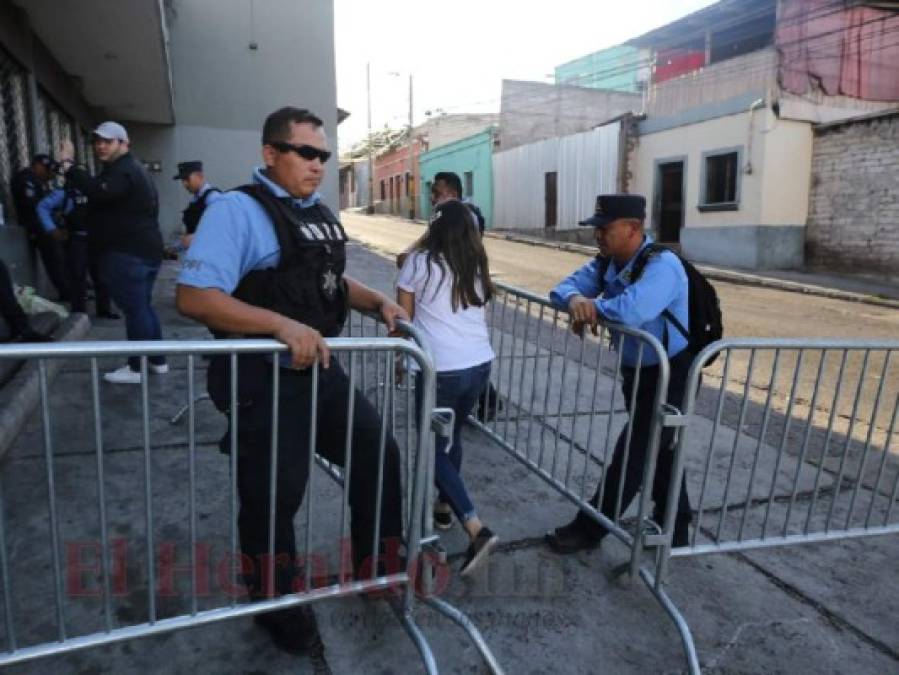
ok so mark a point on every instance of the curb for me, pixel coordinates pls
(21, 395)
(718, 274)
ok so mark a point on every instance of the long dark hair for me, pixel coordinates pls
(452, 241)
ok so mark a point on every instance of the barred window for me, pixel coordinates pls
(14, 145)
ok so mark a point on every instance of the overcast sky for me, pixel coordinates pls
(458, 51)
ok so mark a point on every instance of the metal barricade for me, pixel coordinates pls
(559, 410)
(789, 441)
(135, 537)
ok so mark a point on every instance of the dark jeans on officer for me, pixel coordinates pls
(640, 421)
(254, 463)
(82, 261)
(130, 281)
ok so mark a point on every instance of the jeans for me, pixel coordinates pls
(640, 420)
(130, 280)
(459, 390)
(254, 430)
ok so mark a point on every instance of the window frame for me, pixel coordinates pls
(704, 204)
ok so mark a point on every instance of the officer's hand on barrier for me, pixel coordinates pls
(583, 310)
(59, 235)
(306, 344)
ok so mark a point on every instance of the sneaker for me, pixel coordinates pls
(123, 375)
(443, 516)
(294, 630)
(159, 368)
(478, 551)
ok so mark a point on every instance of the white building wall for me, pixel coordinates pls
(766, 230)
(586, 163)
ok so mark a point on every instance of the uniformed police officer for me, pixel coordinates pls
(268, 260)
(70, 206)
(640, 304)
(28, 187)
(202, 195)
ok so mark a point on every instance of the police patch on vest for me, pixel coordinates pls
(329, 283)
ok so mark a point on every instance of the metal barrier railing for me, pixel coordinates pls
(794, 441)
(27, 598)
(557, 408)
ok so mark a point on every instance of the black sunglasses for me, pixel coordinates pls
(307, 152)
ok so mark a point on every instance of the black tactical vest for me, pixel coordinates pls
(76, 220)
(191, 215)
(307, 284)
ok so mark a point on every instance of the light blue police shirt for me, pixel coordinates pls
(663, 285)
(49, 204)
(235, 236)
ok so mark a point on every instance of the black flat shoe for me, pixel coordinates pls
(294, 630)
(571, 538)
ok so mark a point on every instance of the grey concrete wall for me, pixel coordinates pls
(853, 221)
(532, 111)
(224, 90)
(758, 247)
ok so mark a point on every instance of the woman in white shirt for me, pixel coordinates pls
(444, 285)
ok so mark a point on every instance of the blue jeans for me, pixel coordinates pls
(459, 390)
(130, 282)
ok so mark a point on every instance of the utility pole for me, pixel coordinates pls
(412, 181)
(371, 164)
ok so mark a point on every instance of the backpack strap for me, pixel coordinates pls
(643, 258)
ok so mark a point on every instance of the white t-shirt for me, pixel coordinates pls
(459, 339)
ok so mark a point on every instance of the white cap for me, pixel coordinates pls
(111, 131)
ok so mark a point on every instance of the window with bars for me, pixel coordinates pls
(14, 140)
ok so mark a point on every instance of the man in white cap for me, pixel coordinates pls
(124, 216)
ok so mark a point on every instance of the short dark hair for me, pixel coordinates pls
(277, 125)
(451, 179)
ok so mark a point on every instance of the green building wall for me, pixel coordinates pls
(616, 68)
(473, 154)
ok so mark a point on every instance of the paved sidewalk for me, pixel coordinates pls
(819, 609)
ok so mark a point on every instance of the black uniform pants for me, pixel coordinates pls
(10, 308)
(81, 261)
(640, 420)
(254, 463)
(51, 253)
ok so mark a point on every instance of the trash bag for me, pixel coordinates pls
(33, 304)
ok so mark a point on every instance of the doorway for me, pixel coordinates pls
(550, 198)
(670, 200)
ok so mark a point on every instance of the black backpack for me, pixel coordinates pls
(704, 308)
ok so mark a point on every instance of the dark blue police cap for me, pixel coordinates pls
(613, 207)
(187, 168)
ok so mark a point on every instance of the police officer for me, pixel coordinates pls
(70, 206)
(124, 218)
(203, 194)
(28, 187)
(603, 290)
(268, 260)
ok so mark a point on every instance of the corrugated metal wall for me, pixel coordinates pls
(586, 164)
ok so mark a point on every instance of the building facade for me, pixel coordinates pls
(553, 183)
(472, 159)
(725, 151)
(189, 80)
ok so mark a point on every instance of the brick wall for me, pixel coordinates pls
(853, 222)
